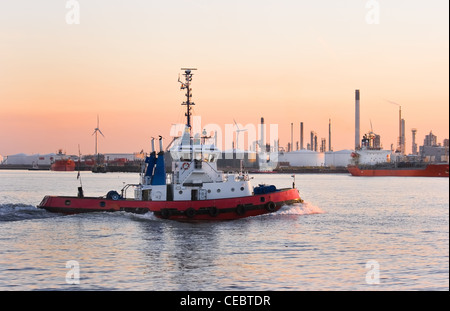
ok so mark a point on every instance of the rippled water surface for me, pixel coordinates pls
(352, 233)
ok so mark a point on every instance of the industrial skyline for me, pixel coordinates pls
(290, 62)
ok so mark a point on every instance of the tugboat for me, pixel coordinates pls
(195, 190)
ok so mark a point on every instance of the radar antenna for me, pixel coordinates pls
(186, 85)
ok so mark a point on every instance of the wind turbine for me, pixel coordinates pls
(96, 131)
(238, 130)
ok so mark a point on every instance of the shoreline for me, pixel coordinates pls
(135, 169)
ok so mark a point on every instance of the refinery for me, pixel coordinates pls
(307, 154)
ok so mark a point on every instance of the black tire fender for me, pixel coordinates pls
(165, 213)
(213, 211)
(190, 212)
(240, 209)
(271, 206)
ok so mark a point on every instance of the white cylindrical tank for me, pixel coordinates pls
(340, 158)
(24, 159)
(303, 158)
(18, 159)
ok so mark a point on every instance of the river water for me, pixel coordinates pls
(351, 233)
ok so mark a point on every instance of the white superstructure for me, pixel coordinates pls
(194, 173)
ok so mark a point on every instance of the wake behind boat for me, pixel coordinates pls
(194, 190)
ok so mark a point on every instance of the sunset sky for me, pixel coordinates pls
(287, 61)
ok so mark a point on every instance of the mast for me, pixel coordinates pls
(186, 85)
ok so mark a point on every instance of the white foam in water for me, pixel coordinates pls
(146, 216)
(305, 208)
(18, 211)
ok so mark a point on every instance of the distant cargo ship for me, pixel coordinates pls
(400, 169)
(62, 163)
(373, 161)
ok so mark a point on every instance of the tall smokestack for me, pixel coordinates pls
(403, 151)
(315, 141)
(357, 136)
(414, 145)
(263, 142)
(301, 135)
(400, 128)
(401, 132)
(329, 135)
(292, 136)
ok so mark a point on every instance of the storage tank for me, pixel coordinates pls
(24, 159)
(303, 158)
(340, 158)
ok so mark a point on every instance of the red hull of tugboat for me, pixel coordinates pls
(218, 209)
(431, 170)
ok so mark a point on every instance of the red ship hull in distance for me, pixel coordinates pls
(218, 209)
(63, 165)
(431, 170)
